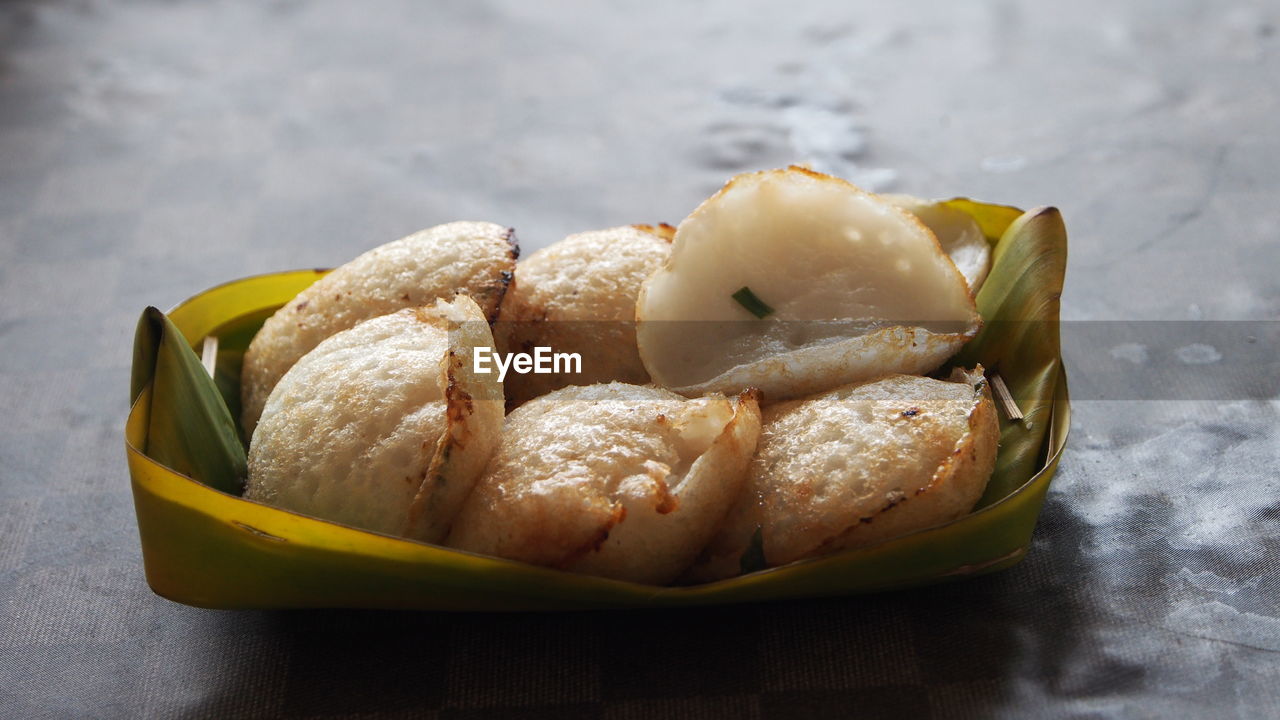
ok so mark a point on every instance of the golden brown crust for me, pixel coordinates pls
(662, 230)
(856, 466)
(615, 480)
(950, 494)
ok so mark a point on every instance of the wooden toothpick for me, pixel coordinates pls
(209, 354)
(1004, 399)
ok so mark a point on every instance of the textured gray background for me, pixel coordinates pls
(149, 150)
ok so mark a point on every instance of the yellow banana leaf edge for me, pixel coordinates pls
(209, 548)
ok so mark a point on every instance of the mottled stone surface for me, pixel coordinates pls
(151, 149)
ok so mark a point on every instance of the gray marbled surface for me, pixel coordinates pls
(152, 149)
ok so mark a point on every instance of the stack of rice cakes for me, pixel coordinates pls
(752, 389)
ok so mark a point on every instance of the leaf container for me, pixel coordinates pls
(204, 545)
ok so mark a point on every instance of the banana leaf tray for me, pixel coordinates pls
(203, 545)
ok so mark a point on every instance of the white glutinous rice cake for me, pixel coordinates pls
(858, 465)
(468, 258)
(384, 426)
(794, 282)
(621, 481)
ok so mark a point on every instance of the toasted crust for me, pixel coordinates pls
(859, 465)
(952, 491)
(662, 230)
(383, 426)
(474, 414)
(470, 258)
(579, 296)
(615, 480)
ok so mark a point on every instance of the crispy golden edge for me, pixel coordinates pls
(975, 449)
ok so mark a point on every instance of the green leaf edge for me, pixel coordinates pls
(191, 430)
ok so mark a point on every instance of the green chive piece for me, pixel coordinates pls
(753, 304)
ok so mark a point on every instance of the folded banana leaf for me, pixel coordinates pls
(204, 545)
(1019, 340)
(192, 431)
